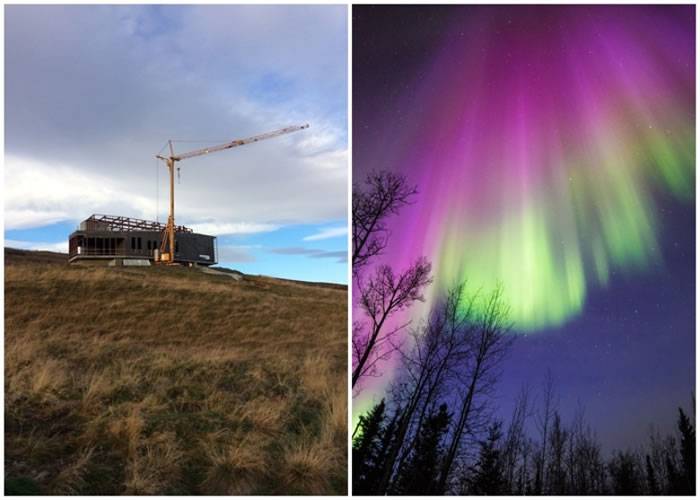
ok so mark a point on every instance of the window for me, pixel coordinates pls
(149, 245)
(133, 243)
(139, 242)
(177, 247)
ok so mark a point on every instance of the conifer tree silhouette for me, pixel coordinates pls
(419, 474)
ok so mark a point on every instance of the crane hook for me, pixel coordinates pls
(178, 175)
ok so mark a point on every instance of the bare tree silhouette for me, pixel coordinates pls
(380, 297)
(383, 293)
(488, 345)
(383, 195)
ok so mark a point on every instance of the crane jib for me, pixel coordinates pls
(239, 142)
(167, 253)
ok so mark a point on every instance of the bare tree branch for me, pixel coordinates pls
(386, 193)
(380, 297)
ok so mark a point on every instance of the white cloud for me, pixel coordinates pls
(61, 247)
(37, 194)
(20, 218)
(331, 232)
(216, 229)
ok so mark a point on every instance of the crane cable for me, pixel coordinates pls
(157, 188)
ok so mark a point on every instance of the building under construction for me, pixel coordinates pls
(124, 240)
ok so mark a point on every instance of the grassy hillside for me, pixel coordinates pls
(171, 381)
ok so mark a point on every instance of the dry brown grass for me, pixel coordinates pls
(170, 381)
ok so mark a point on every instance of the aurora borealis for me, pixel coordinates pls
(539, 141)
(544, 141)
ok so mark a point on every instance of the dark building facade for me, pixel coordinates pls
(108, 237)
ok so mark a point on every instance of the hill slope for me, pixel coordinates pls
(171, 381)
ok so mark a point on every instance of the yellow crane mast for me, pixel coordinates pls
(167, 245)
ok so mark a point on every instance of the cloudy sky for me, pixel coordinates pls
(92, 93)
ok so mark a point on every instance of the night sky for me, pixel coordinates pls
(553, 150)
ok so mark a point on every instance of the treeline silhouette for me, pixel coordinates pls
(567, 460)
(434, 433)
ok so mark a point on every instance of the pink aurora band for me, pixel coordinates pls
(538, 137)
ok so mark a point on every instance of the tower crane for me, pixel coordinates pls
(167, 245)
